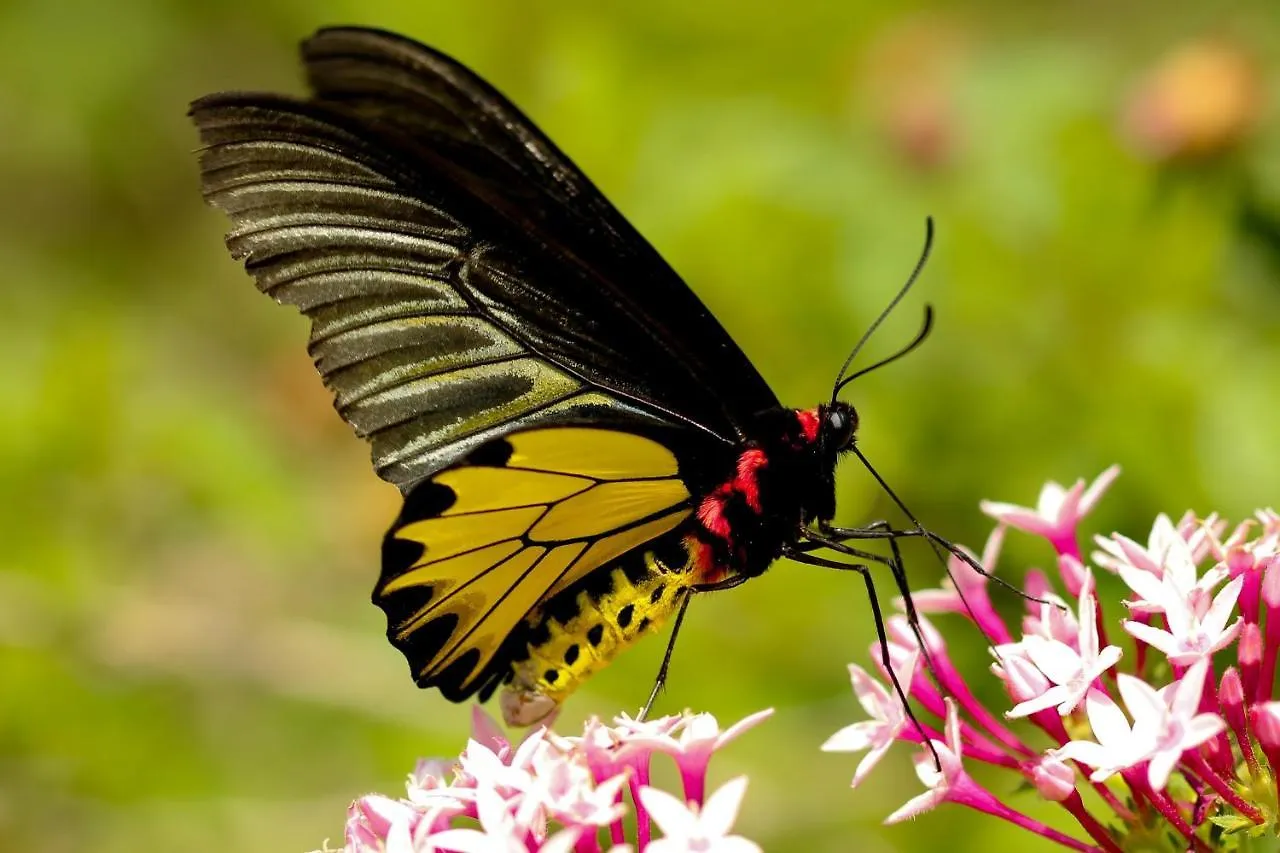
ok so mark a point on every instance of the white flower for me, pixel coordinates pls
(1170, 717)
(1071, 670)
(1058, 510)
(1175, 584)
(687, 828)
(499, 833)
(1117, 746)
(1165, 725)
(888, 716)
(939, 781)
(1195, 632)
(1120, 551)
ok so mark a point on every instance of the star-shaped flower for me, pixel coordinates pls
(940, 782)
(1166, 723)
(686, 827)
(1195, 631)
(1058, 511)
(888, 717)
(1170, 717)
(699, 738)
(501, 831)
(1117, 745)
(1071, 669)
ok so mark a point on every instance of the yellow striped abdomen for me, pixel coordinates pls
(581, 635)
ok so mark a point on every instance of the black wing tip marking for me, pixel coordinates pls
(420, 646)
(426, 500)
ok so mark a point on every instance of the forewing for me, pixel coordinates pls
(421, 365)
(609, 304)
(482, 543)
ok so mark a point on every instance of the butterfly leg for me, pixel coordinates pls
(896, 568)
(661, 680)
(877, 615)
(882, 530)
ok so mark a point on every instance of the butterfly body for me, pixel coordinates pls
(576, 635)
(739, 529)
(579, 443)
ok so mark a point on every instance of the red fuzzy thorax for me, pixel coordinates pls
(729, 518)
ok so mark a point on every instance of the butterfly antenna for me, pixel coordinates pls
(925, 329)
(893, 303)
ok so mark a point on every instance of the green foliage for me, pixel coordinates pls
(187, 652)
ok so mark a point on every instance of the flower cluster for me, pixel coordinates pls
(1172, 743)
(560, 794)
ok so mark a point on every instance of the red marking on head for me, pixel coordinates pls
(809, 420)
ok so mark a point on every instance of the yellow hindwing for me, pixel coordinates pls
(481, 544)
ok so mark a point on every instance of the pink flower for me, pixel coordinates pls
(1070, 669)
(962, 583)
(1058, 511)
(1180, 764)
(1120, 552)
(1053, 778)
(888, 717)
(964, 591)
(371, 818)
(1193, 635)
(1266, 723)
(1116, 746)
(940, 780)
(688, 827)
(552, 794)
(700, 736)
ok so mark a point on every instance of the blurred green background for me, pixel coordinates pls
(188, 658)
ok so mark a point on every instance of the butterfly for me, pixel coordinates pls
(581, 447)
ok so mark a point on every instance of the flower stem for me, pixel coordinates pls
(973, 795)
(1166, 807)
(636, 781)
(1089, 823)
(1222, 788)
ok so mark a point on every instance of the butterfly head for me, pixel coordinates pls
(837, 426)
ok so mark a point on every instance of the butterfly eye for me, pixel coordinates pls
(840, 426)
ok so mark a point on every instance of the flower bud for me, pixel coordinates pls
(1053, 778)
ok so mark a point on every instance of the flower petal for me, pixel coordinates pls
(868, 763)
(916, 806)
(721, 808)
(671, 814)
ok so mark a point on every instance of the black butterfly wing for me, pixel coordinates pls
(669, 349)
(465, 284)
